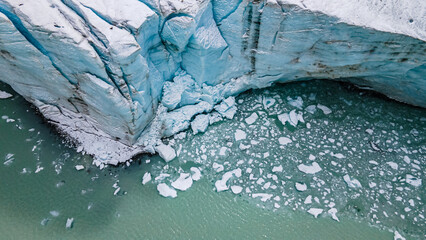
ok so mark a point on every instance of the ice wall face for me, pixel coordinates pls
(118, 75)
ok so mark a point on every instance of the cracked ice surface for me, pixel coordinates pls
(116, 77)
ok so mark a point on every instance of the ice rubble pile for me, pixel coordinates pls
(116, 76)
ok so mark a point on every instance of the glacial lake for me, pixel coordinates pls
(351, 167)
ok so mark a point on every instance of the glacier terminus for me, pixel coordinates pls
(118, 76)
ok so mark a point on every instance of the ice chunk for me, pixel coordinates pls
(196, 173)
(218, 167)
(301, 186)
(324, 109)
(221, 185)
(200, 123)
(277, 168)
(183, 182)
(308, 200)
(69, 223)
(263, 196)
(166, 191)
(351, 182)
(79, 167)
(333, 212)
(315, 211)
(310, 169)
(410, 179)
(166, 152)
(284, 140)
(236, 189)
(398, 236)
(4, 95)
(298, 102)
(250, 120)
(268, 102)
(146, 178)
(393, 165)
(38, 169)
(240, 135)
(54, 213)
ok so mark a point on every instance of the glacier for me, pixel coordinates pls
(118, 76)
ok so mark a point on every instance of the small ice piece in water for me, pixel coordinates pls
(398, 236)
(222, 151)
(196, 173)
(9, 159)
(369, 131)
(116, 191)
(183, 182)
(308, 200)
(333, 212)
(393, 165)
(70, 222)
(277, 168)
(315, 211)
(4, 95)
(284, 140)
(301, 186)
(263, 196)
(38, 169)
(298, 102)
(79, 167)
(166, 191)
(352, 183)
(312, 169)
(324, 109)
(218, 167)
(146, 178)
(268, 102)
(166, 152)
(337, 155)
(236, 189)
(200, 123)
(221, 184)
(311, 109)
(240, 135)
(410, 179)
(45, 221)
(54, 213)
(250, 120)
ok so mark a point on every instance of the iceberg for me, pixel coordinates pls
(116, 77)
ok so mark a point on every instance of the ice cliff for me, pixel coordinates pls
(116, 76)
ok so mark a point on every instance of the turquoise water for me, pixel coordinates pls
(366, 137)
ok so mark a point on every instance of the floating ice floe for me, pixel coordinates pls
(166, 152)
(79, 167)
(236, 189)
(196, 173)
(410, 179)
(398, 236)
(351, 182)
(240, 135)
(284, 140)
(221, 185)
(251, 119)
(310, 169)
(4, 95)
(166, 191)
(183, 182)
(315, 211)
(277, 168)
(298, 102)
(301, 186)
(292, 118)
(38, 169)
(333, 212)
(263, 196)
(69, 223)
(268, 102)
(146, 178)
(324, 109)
